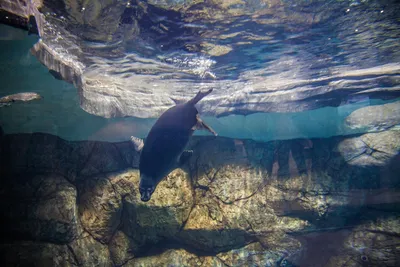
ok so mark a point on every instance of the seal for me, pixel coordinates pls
(164, 148)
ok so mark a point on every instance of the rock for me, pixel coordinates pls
(370, 244)
(205, 233)
(83, 251)
(163, 216)
(24, 97)
(168, 258)
(235, 203)
(121, 248)
(33, 153)
(69, 71)
(231, 200)
(38, 207)
(28, 253)
(98, 17)
(103, 157)
(371, 149)
(375, 118)
(88, 252)
(100, 207)
(253, 254)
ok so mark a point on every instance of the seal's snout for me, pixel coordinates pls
(144, 198)
(145, 193)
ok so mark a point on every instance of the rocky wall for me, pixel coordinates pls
(302, 202)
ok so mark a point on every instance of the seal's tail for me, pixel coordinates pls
(200, 95)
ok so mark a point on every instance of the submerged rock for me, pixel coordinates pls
(39, 207)
(370, 244)
(122, 248)
(87, 251)
(255, 254)
(100, 207)
(371, 149)
(163, 216)
(236, 203)
(23, 97)
(375, 118)
(169, 258)
(28, 253)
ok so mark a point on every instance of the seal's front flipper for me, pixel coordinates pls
(137, 143)
(200, 125)
(185, 156)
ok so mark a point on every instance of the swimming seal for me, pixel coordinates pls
(164, 148)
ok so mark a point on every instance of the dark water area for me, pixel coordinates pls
(304, 170)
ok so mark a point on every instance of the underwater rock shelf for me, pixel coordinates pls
(237, 201)
(280, 63)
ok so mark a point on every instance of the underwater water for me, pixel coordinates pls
(305, 170)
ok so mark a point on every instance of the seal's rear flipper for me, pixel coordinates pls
(177, 101)
(200, 95)
(185, 156)
(138, 143)
(200, 125)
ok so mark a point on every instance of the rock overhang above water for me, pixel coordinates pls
(132, 59)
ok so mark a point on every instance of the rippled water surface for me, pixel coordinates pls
(132, 58)
(136, 59)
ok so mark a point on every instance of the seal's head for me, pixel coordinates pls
(146, 189)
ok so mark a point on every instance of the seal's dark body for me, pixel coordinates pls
(167, 140)
(163, 149)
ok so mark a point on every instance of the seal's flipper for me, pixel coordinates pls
(200, 95)
(200, 125)
(177, 101)
(138, 143)
(185, 156)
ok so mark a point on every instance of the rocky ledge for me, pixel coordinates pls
(134, 58)
(375, 118)
(236, 203)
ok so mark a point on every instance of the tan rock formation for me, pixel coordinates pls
(235, 203)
